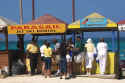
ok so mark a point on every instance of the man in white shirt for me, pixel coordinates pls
(42, 54)
(102, 49)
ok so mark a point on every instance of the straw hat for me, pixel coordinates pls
(89, 40)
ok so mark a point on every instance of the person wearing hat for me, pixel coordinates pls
(90, 50)
(102, 49)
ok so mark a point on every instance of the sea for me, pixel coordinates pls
(12, 45)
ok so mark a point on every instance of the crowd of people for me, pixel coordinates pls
(65, 54)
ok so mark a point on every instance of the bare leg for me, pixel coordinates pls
(49, 72)
(68, 69)
(89, 71)
(43, 67)
(45, 73)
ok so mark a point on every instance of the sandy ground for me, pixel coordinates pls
(41, 79)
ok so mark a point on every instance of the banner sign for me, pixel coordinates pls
(121, 27)
(93, 22)
(37, 29)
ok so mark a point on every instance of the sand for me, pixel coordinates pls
(41, 79)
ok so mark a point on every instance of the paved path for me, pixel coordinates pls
(41, 79)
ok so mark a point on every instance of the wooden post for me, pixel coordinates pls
(73, 35)
(21, 36)
(33, 10)
(113, 41)
(118, 71)
(33, 17)
(73, 17)
(21, 12)
(73, 10)
(82, 37)
(6, 37)
(65, 36)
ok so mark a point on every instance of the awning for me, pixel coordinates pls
(94, 20)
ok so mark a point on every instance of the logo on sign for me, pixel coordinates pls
(93, 22)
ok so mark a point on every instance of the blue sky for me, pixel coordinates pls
(113, 9)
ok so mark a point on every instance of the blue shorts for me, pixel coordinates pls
(47, 63)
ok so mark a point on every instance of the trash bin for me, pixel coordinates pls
(110, 65)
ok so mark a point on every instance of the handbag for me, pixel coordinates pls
(79, 58)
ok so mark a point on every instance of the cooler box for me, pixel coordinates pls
(110, 67)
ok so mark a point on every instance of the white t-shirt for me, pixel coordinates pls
(102, 48)
(42, 49)
(57, 45)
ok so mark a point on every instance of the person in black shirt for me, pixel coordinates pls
(62, 51)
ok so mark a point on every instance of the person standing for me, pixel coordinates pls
(76, 51)
(57, 55)
(33, 50)
(102, 49)
(90, 50)
(62, 52)
(69, 55)
(57, 45)
(78, 44)
(43, 55)
(47, 59)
